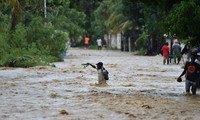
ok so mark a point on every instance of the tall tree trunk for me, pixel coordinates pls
(15, 13)
(13, 20)
(129, 44)
(45, 9)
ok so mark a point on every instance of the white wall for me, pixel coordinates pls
(114, 40)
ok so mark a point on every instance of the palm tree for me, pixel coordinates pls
(119, 23)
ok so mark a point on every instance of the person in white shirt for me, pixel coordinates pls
(102, 74)
(99, 43)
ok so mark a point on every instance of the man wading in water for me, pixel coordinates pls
(102, 73)
(192, 75)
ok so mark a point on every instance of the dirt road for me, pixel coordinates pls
(140, 88)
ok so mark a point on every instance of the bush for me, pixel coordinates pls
(47, 39)
(141, 41)
(33, 45)
(58, 43)
(18, 37)
(141, 51)
(18, 57)
(4, 47)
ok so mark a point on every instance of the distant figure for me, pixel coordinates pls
(99, 43)
(192, 75)
(188, 51)
(176, 48)
(149, 45)
(198, 62)
(197, 50)
(86, 41)
(165, 53)
(104, 44)
(101, 73)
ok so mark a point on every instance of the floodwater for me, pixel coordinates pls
(140, 88)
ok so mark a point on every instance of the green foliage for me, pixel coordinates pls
(4, 20)
(58, 43)
(117, 20)
(184, 21)
(69, 20)
(18, 38)
(46, 38)
(141, 51)
(76, 22)
(4, 46)
(36, 44)
(36, 40)
(25, 58)
(101, 14)
(17, 52)
(141, 41)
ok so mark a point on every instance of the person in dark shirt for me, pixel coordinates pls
(198, 49)
(192, 74)
(188, 51)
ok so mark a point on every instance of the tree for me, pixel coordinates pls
(33, 39)
(101, 14)
(87, 7)
(183, 21)
(15, 11)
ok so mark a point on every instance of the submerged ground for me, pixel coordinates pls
(140, 88)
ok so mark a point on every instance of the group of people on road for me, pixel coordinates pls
(100, 43)
(191, 66)
(176, 49)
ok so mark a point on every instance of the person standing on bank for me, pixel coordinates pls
(192, 75)
(99, 43)
(165, 53)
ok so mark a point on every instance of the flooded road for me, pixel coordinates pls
(140, 88)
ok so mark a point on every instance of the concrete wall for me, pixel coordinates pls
(113, 40)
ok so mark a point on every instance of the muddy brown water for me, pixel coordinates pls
(140, 88)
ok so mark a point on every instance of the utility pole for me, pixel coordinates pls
(45, 9)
